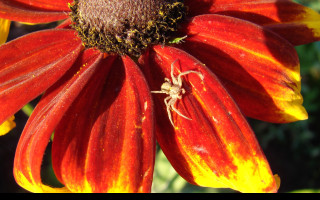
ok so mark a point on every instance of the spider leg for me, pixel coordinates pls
(188, 72)
(174, 79)
(159, 92)
(166, 100)
(172, 102)
(168, 108)
(167, 80)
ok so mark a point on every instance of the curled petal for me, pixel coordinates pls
(296, 23)
(105, 141)
(44, 119)
(215, 147)
(40, 11)
(7, 126)
(4, 30)
(31, 64)
(260, 69)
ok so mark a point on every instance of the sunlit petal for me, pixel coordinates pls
(41, 11)
(296, 23)
(215, 147)
(7, 126)
(44, 119)
(260, 69)
(4, 30)
(105, 141)
(31, 64)
(50, 5)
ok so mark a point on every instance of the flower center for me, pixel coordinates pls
(126, 26)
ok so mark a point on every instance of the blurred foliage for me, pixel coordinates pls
(314, 4)
(292, 150)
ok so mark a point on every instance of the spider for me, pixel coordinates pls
(174, 90)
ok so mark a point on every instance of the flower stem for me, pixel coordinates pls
(27, 109)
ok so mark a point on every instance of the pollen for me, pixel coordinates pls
(126, 27)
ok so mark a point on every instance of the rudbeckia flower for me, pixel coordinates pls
(118, 75)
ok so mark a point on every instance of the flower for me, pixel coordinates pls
(223, 61)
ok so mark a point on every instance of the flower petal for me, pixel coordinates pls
(300, 26)
(61, 5)
(7, 126)
(105, 141)
(260, 69)
(4, 30)
(44, 119)
(31, 64)
(296, 23)
(40, 11)
(216, 148)
(65, 24)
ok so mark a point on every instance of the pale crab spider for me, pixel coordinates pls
(174, 90)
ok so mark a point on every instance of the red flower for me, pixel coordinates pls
(104, 118)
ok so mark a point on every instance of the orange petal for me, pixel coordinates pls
(105, 141)
(260, 69)
(216, 148)
(44, 119)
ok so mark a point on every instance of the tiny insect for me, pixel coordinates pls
(178, 40)
(174, 90)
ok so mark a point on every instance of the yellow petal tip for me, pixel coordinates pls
(7, 126)
(4, 30)
(295, 112)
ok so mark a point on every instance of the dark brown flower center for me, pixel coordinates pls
(126, 26)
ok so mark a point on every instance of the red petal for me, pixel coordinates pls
(105, 141)
(296, 23)
(65, 24)
(199, 7)
(216, 148)
(61, 5)
(40, 11)
(45, 118)
(31, 64)
(260, 69)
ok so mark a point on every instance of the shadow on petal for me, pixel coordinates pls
(260, 69)
(105, 142)
(294, 22)
(216, 148)
(44, 119)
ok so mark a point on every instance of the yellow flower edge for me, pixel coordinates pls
(4, 30)
(7, 126)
